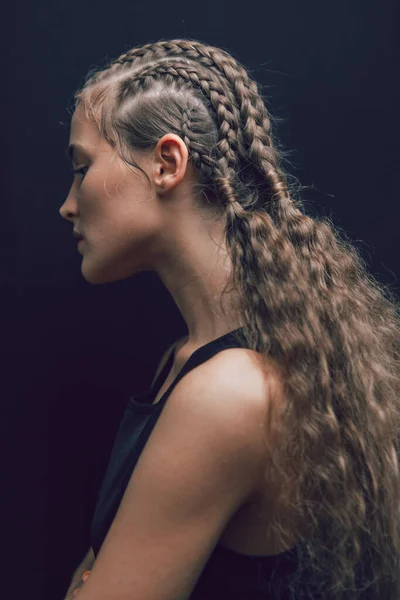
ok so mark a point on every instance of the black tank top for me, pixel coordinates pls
(227, 575)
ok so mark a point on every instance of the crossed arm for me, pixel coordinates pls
(89, 559)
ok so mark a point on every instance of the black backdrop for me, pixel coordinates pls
(71, 352)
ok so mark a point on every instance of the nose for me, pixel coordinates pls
(65, 214)
(68, 208)
(63, 211)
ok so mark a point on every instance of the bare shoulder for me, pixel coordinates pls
(232, 392)
(245, 375)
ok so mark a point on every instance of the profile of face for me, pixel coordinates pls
(127, 224)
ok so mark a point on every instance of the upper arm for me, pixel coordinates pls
(201, 462)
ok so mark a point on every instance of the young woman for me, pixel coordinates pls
(263, 460)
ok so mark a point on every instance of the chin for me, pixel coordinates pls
(108, 274)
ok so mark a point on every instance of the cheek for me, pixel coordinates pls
(116, 210)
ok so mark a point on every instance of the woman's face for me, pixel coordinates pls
(111, 206)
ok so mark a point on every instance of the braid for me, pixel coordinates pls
(254, 135)
(255, 118)
(224, 160)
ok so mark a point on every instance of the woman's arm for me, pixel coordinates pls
(77, 581)
(88, 561)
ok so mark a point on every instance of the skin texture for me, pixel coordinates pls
(131, 227)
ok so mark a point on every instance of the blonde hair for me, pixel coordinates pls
(305, 297)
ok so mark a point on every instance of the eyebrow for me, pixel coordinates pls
(71, 150)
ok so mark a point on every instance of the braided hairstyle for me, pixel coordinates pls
(306, 300)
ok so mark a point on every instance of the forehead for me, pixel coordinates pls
(84, 135)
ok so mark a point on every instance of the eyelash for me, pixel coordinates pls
(79, 171)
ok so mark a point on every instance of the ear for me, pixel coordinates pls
(170, 162)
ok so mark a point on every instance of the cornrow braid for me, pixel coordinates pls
(224, 160)
(256, 132)
(218, 167)
(255, 135)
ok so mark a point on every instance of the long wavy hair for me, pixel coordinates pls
(305, 298)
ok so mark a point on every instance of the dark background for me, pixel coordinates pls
(72, 352)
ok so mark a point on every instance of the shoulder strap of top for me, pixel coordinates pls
(232, 339)
(166, 362)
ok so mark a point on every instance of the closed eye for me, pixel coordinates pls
(79, 171)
